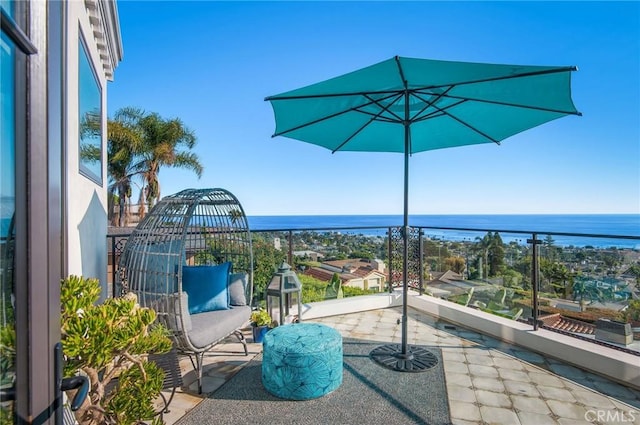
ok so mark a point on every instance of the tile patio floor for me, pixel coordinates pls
(488, 381)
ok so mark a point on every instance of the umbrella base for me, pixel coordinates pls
(416, 358)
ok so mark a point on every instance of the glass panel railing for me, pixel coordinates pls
(589, 288)
(489, 271)
(588, 285)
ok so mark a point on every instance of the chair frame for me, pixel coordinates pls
(192, 227)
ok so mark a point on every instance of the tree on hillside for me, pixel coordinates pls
(161, 146)
(266, 260)
(455, 264)
(558, 277)
(490, 251)
(124, 140)
(585, 291)
(495, 254)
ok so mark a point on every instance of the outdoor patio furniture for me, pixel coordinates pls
(302, 361)
(190, 259)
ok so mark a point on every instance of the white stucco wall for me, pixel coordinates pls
(86, 200)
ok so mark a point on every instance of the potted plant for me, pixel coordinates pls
(260, 324)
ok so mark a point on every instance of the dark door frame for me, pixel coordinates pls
(39, 243)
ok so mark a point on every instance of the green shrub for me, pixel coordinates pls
(108, 341)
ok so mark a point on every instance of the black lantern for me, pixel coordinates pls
(283, 294)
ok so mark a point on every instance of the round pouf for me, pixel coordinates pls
(302, 361)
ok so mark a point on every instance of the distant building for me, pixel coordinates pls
(355, 273)
(312, 255)
(448, 283)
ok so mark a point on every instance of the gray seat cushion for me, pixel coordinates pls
(211, 326)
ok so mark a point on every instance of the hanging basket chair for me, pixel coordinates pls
(189, 243)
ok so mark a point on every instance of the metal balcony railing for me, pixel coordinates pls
(572, 283)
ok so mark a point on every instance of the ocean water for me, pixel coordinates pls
(511, 227)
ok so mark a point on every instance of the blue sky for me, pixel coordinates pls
(213, 63)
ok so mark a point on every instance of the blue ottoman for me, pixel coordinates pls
(302, 361)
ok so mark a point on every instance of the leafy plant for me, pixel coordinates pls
(7, 368)
(632, 312)
(334, 288)
(260, 317)
(108, 341)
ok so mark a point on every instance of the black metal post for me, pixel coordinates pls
(421, 262)
(113, 266)
(390, 257)
(534, 277)
(290, 259)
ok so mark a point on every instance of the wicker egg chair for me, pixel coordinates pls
(186, 242)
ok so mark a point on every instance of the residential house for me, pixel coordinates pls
(355, 273)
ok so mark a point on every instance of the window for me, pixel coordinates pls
(90, 117)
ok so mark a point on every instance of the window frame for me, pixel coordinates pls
(83, 169)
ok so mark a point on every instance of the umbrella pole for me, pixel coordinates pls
(405, 246)
(403, 358)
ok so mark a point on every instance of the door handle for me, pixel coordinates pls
(8, 394)
(72, 383)
(63, 384)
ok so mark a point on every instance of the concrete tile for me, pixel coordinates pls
(185, 401)
(567, 410)
(530, 404)
(530, 418)
(521, 388)
(545, 378)
(487, 371)
(173, 416)
(565, 421)
(492, 399)
(477, 350)
(458, 393)
(461, 379)
(489, 384)
(456, 367)
(453, 354)
(557, 394)
(509, 363)
(592, 399)
(462, 422)
(465, 411)
(499, 416)
(513, 375)
(479, 360)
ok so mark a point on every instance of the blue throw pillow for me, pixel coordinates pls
(207, 287)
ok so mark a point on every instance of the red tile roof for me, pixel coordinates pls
(557, 321)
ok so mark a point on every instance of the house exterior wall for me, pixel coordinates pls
(86, 200)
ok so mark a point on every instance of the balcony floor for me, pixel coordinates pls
(488, 381)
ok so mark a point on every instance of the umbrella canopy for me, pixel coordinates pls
(445, 103)
(411, 105)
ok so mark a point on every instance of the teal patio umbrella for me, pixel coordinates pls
(409, 105)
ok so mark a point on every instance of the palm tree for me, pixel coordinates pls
(124, 140)
(584, 291)
(235, 215)
(162, 140)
